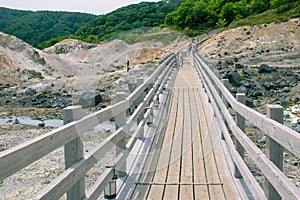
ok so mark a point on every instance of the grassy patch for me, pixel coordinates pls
(283, 13)
(145, 34)
(33, 74)
(47, 91)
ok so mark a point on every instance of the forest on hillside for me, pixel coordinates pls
(196, 16)
(192, 17)
(42, 29)
(38, 27)
(145, 14)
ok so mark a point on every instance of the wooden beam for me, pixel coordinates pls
(274, 151)
(176, 183)
(240, 122)
(285, 136)
(282, 184)
(73, 151)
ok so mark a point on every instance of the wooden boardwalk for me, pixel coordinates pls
(176, 151)
(191, 163)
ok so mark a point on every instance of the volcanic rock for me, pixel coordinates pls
(90, 99)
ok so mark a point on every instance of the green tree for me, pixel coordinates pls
(36, 28)
(228, 13)
(258, 6)
(277, 3)
(145, 14)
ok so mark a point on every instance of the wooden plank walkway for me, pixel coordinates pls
(191, 163)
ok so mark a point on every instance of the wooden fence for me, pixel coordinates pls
(278, 137)
(77, 163)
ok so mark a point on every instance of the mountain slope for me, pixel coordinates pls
(196, 17)
(42, 29)
(19, 63)
(145, 14)
(37, 27)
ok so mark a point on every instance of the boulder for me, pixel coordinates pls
(90, 99)
(245, 83)
(229, 63)
(100, 89)
(249, 102)
(132, 86)
(286, 89)
(264, 68)
(16, 121)
(242, 89)
(121, 82)
(239, 66)
(30, 91)
(268, 86)
(234, 78)
(41, 124)
(259, 93)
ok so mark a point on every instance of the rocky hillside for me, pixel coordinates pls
(57, 77)
(19, 63)
(105, 57)
(275, 44)
(261, 60)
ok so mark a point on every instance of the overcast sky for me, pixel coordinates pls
(87, 6)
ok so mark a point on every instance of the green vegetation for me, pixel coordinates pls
(135, 16)
(143, 21)
(282, 13)
(255, 73)
(44, 28)
(60, 50)
(38, 58)
(47, 91)
(32, 74)
(195, 17)
(163, 35)
(36, 28)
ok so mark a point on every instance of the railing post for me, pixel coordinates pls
(150, 72)
(240, 121)
(74, 152)
(150, 86)
(217, 73)
(120, 120)
(226, 84)
(156, 103)
(274, 151)
(139, 82)
(150, 117)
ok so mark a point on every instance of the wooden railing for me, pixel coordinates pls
(77, 163)
(278, 136)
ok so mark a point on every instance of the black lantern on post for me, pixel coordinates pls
(110, 192)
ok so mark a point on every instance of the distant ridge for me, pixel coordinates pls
(42, 29)
(36, 27)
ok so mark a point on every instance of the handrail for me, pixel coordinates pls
(105, 145)
(253, 185)
(276, 177)
(20, 156)
(285, 136)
